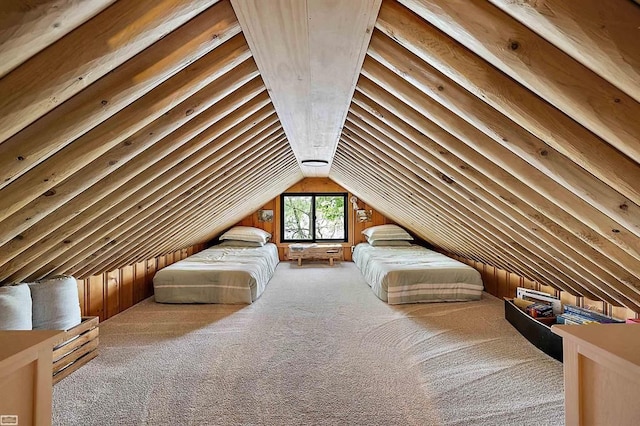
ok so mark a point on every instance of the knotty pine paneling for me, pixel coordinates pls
(502, 283)
(316, 185)
(112, 292)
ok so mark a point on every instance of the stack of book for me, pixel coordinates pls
(539, 298)
(576, 315)
(539, 310)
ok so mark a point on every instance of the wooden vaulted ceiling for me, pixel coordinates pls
(506, 132)
(143, 129)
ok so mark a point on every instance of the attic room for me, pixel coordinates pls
(287, 212)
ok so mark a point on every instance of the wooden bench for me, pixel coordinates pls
(315, 252)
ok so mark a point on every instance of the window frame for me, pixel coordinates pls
(313, 196)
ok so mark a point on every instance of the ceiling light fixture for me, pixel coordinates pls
(315, 163)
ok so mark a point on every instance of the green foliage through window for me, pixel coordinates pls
(297, 218)
(314, 217)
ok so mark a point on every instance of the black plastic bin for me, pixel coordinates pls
(534, 331)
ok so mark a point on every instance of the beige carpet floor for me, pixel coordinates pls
(318, 348)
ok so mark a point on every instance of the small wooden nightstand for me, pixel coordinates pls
(601, 373)
(315, 252)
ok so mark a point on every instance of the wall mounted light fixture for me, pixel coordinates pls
(363, 215)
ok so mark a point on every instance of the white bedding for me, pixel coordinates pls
(217, 275)
(416, 274)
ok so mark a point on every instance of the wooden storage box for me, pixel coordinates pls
(536, 332)
(77, 347)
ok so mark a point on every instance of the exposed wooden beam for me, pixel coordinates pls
(493, 151)
(137, 243)
(100, 213)
(600, 35)
(355, 177)
(369, 196)
(536, 206)
(503, 179)
(142, 149)
(444, 226)
(133, 175)
(198, 215)
(546, 127)
(85, 55)
(92, 244)
(516, 229)
(286, 174)
(211, 208)
(426, 193)
(434, 234)
(216, 197)
(350, 168)
(541, 67)
(345, 177)
(393, 192)
(28, 26)
(481, 218)
(485, 246)
(109, 94)
(125, 123)
(508, 194)
(190, 195)
(286, 177)
(309, 54)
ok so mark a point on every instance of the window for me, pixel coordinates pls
(314, 217)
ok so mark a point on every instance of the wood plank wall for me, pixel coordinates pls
(501, 283)
(316, 185)
(112, 292)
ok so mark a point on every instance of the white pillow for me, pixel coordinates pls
(386, 232)
(238, 243)
(246, 233)
(15, 307)
(396, 243)
(56, 305)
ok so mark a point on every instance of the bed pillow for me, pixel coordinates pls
(246, 233)
(238, 243)
(15, 307)
(395, 243)
(56, 305)
(386, 232)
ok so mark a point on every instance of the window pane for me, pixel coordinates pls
(329, 217)
(297, 218)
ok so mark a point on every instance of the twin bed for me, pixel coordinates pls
(238, 270)
(400, 272)
(413, 274)
(234, 272)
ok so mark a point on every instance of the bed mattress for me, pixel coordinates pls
(217, 275)
(415, 274)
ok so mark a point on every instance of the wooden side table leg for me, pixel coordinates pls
(299, 261)
(331, 261)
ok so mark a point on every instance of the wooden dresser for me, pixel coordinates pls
(601, 373)
(25, 376)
